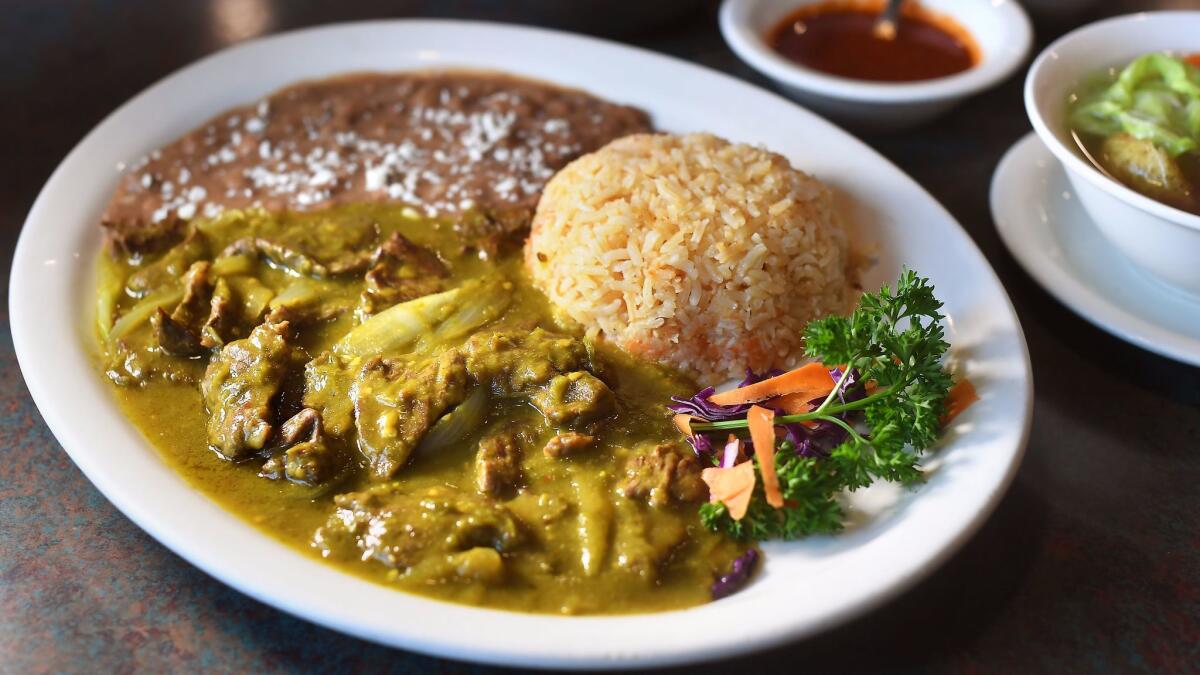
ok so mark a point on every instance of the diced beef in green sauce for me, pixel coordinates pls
(240, 385)
(438, 534)
(573, 399)
(222, 322)
(484, 458)
(279, 255)
(168, 268)
(498, 463)
(173, 337)
(308, 456)
(568, 444)
(327, 389)
(396, 402)
(662, 473)
(552, 370)
(400, 271)
(322, 250)
(179, 333)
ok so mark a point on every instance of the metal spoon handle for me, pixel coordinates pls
(885, 25)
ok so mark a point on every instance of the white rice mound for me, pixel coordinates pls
(691, 251)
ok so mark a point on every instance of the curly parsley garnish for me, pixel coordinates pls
(890, 350)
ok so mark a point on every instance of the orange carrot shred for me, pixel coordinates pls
(797, 403)
(683, 422)
(813, 377)
(960, 397)
(1193, 59)
(732, 486)
(762, 432)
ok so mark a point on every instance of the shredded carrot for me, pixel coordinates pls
(762, 432)
(797, 403)
(733, 487)
(960, 397)
(683, 422)
(1193, 59)
(813, 377)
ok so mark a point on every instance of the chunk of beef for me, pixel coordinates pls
(178, 334)
(400, 271)
(162, 344)
(197, 290)
(278, 255)
(498, 463)
(574, 399)
(174, 338)
(494, 231)
(327, 385)
(518, 361)
(237, 305)
(567, 444)
(134, 238)
(396, 402)
(661, 473)
(308, 459)
(323, 249)
(305, 301)
(168, 268)
(434, 533)
(139, 358)
(240, 385)
(551, 370)
(222, 322)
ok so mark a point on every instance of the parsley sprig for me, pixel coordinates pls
(894, 339)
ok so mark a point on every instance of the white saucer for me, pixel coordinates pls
(1052, 237)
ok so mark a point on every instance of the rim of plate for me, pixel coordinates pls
(50, 313)
(1065, 285)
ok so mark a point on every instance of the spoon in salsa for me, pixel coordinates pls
(885, 25)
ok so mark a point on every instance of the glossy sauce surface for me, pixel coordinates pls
(581, 543)
(837, 38)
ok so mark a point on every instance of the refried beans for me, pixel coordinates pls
(444, 143)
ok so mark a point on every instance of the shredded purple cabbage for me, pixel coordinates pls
(729, 457)
(816, 441)
(755, 378)
(700, 406)
(852, 389)
(821, 438)
(702, 445)
(738, 575)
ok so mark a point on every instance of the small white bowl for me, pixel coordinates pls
(1161, 240)
(1000, 28)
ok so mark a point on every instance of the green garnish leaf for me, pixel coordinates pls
(894, 339)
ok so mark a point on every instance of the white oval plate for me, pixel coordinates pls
(804, 587)
(1051, 236)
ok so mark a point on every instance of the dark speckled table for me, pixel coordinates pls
(1090, 564)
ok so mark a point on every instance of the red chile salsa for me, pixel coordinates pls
(837, 38)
